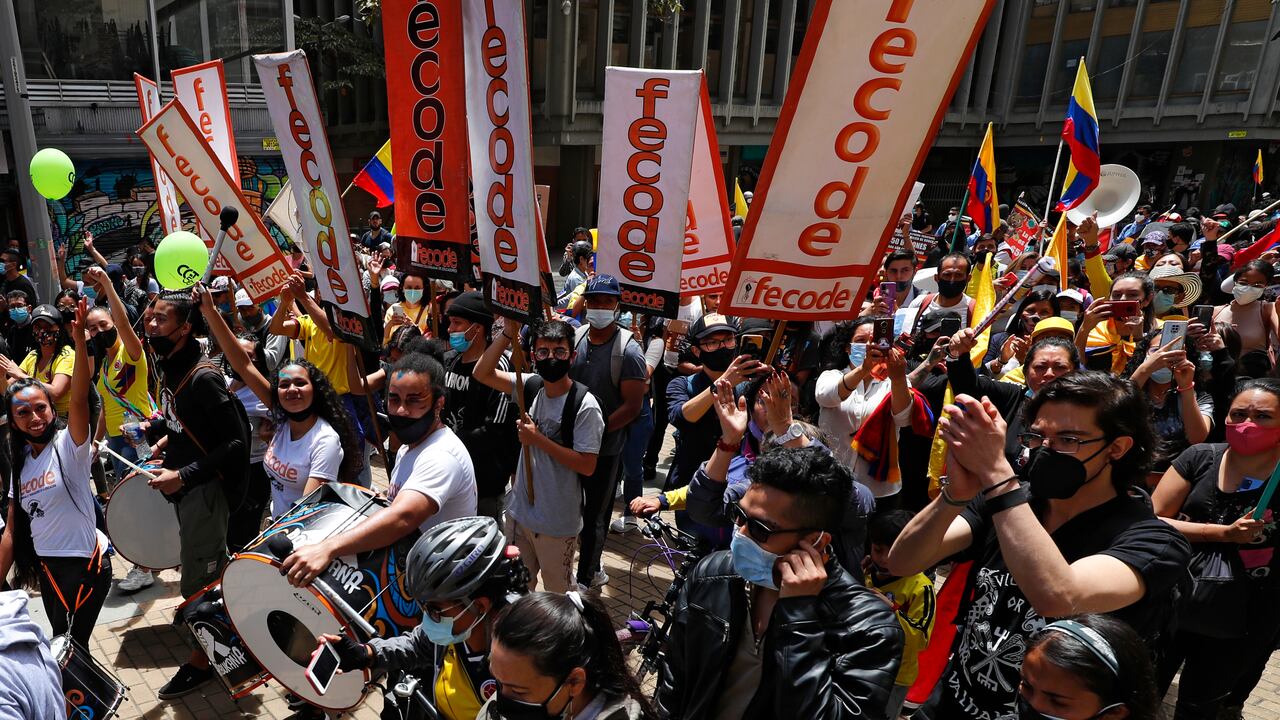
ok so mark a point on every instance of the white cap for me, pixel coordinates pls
(242, 299)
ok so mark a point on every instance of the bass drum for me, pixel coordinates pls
(279, 623)
(142, 524)
(206, 617)
(91, 691)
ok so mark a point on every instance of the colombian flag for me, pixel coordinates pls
(1058, 251)
(1080, 132)
(983, 206)
(1257, 169)
(375, 178)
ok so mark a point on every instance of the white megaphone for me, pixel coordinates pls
(1117, 194)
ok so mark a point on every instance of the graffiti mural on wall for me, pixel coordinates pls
(116, 201)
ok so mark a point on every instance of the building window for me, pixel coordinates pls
(1035, 60)
(1149, 67)
(1193, 66)
(193, 31)
(78, 40)
(1239, 64)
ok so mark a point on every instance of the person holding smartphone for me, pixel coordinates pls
(1110, 329)
(807, 636)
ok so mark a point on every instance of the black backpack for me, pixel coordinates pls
(572, 403)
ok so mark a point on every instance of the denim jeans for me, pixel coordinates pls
(120, 444)
(633, 455)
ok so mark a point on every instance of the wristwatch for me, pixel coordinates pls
(794, 431)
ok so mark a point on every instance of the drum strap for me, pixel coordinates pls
(84, 591)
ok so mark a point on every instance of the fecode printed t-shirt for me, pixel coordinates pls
(56, 494)
(997, 625)
(290, 462)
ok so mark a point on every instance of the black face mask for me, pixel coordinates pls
(552, 369)
(103, 341)
(511, 709)
(162, 344)
(411, 430)
(717, 360)
(952, 288)
(1026, 712)
(1056, 476)
(298, 416)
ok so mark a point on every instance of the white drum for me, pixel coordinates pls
(143, 525)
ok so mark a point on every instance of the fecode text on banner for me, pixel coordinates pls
(202, 92)
(649, 121)
(175, 143)
(304, 144)
(871, 85)
(166, 197)
(708, 233)
(498, 131)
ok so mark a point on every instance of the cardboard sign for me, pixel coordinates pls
(253, 257)
(870, 90)
(922, 244)
(708, 232)
(166, 197)
(1024, 228)
(304, 144)
(501, 144)
(426, 89)
(650, 117)
(202, 92)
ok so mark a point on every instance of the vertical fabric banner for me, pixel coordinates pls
(166, 198)
(180, 149)
(650, 119)
(202, 92)
(870, 89)
(708, 232)
(283, 211)
(304, 144)
(426, 89)
(501, 144)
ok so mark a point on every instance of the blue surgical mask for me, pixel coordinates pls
(600, 318)
(89, 293)
(857, 354)
(752, 562)
(19, 314)
(413, 297)
(390, 298)
(1164, 301)
(1069, 315)
(459, 342)
(1162, 375)
(442, 633)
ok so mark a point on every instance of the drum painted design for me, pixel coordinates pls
(142, 524)
(91, 691)
(206, 617)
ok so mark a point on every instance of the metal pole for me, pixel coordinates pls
(35, 213)
(155, 42)
(1048, 204)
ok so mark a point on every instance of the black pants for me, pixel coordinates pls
(245, 522)
(661, 376)
(59, 599)
(597, 506)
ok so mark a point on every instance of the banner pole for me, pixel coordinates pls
(1048, 203)
(518, 359)
(776, 342)
(955, 233)
(373, 410)
(349, 186)
(1265, 211)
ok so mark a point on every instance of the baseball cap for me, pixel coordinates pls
(756, 326)
(1156, 237)
(47, 313)
(390, 282)
(603, 285)
(1073, 294)
(1052, 324)
(222, 283)
(242, 299)
(1122, 251)
(470, 306)
(710, 324)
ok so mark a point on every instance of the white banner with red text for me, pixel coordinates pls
(871, 85)
(499, 132)
(250, 253)
(708, 232)
(166, 197)
(304, 145)
(202, 92)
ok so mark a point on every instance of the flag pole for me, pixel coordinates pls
(955, 233)
(1048, 204)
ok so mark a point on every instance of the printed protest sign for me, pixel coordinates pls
(166, 196)
(708, 232)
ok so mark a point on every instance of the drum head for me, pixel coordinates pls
(279, 624)
(143, 526)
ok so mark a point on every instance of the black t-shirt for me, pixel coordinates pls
(23, 283)
(998, 622)
(1201, 465)
(484, 419)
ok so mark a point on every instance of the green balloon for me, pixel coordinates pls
(52, 173)
(181, 259)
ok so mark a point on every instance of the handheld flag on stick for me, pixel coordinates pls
(1257, 169)
(375, 178)
(983, 206)
(740, 207)
(1058, 251)
(1080, 133)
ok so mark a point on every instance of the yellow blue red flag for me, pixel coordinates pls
(1257, 169)
(983, 206)
(1080, 133)
(375, 178)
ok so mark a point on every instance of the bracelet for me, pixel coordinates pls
(844, 382)
(946, 498)
(999, 485)
(1011, 499)
(1192, 386)
(729, 447)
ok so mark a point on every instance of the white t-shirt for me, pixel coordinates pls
(290, 462)
(61, 525)
(257, 412)
(440, 468)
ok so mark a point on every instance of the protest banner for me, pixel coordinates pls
(166, 197)
(426, 86)
(922, 243)
(304, 145)
(250, 253)
(500, 137)
(202, 92)
(708, 232)
(650, 118)
(1024, 228)
(283, 211)
(870, 89)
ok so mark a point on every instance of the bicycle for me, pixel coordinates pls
(646, 631)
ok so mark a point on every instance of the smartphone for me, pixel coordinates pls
(752, 345)
(398, 311)
(1124, 309)
(889, 291)
(882, 333)
(1203, 315)
(324, 665)
(950, 325)
(1174, 330)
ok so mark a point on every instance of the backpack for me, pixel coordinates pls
(572, 403)
(616, 354)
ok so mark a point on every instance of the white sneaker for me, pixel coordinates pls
(600, 579)
(136, 580)
(624, 524)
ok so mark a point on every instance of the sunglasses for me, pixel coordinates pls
(758, 530)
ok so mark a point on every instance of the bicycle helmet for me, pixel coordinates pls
(454, 559)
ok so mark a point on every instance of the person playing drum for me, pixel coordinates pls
(52, 531)
(462, 575)
(313, 442)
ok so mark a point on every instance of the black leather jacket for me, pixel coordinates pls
(829, 657)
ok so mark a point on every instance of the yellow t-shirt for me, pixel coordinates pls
(64, 363)
(124, 378)
(457, 697)
(914, 603)
(331, 356)
(420, 313)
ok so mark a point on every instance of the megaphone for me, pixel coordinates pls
(1117, 194)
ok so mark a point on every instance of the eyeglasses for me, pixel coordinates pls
(1065, 444)
(713, 345)
(436, 615)
(559, 353)
(758, 529)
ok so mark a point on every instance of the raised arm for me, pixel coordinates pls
(93, 251)
(119, 315)
(486, 370)
(281, 323)
(78, 412)
(310, 306)
(231, 349)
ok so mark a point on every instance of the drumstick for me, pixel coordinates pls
(102, 446)
(1042, 268)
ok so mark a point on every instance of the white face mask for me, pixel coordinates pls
(1069, 315)
(600, 319)
(1139, 218)
(1245, 294)
(951, 218)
